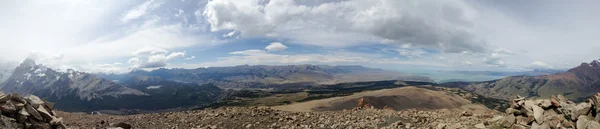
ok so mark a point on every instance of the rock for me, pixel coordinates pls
(50, 105)
(56, 121)
(495, 119)
(519, 126)
(4, 97)
(535, 125)
(522, 120)
(8, 123)
(508, 121)
(581, 109)
(555, 102)
(33, 112)
(466, 113)
(555, 121)
(593, 125)
(123, 125)
(45, 114)
(18, 98)
(8, 108)
(441, 126)
(537, 114)
(480, 126)
(545, 104)
(34, 100)
(18, 105)
(582, 121)
(513, 111)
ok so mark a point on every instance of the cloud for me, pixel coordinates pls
(230, 34)
(152, 57)
(443, 25)
(262, 57)
(276, 46)
(541, 65)
(190, 58)
(139, 11)
(146, 51)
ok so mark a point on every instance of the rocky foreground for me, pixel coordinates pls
(29, 112)
(261, 117)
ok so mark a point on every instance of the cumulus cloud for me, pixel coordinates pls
(153, 57)
(276, 46)
(444, 25)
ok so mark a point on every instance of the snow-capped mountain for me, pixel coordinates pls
(29, 78)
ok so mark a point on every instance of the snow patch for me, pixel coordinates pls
(152, 87)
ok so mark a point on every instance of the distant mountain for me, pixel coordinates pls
(577, 83)
(79, 91)
(262, 76)
(535, 72)
(29, 78)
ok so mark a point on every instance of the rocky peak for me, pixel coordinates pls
(595, 64)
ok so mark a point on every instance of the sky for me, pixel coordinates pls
(116, 36)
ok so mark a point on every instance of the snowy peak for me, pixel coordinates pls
(37, 79)
(595, 64)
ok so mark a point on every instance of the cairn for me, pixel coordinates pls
(28, 112)
(556, 112)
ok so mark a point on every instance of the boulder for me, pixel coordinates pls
(466, 113)
(8, 108)
(538, 112)
(34, 100)
(593, 125)
(4, 97)
(582, 121)
(581, 109)
(508, 121)
(555, 102)
(545, 104)
(480, 126)
(513, 111)
(45, 114)
(33, 112)
(519, 126)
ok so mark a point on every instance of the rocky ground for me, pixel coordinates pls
(261, 117)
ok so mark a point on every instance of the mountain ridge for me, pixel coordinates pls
(263, 76)
(577, 83)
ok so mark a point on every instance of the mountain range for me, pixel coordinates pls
(576, 83)
(262, 76)
(175, 88)
(79, 91)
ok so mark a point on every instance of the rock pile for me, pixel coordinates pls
(556, 112)
(28, 112)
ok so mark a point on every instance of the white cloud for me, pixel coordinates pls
(152, 57)
(139, 11)
(276, 46)
(541, 65)
(190, 58)
(230, 34)
(146, 51)
(175, 55)
(445, 25)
